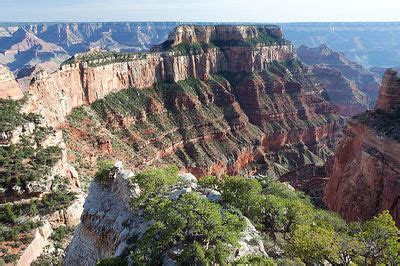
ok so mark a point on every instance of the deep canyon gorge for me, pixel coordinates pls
(237, 100)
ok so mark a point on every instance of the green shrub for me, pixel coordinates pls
(9, 258)
(243, 193)
(61, 233)
(22, 163)
(10, 117)
(205, 232)
(380, 240)
(10, 216)
(55, 201)
(212, 182)
(103, 170)
(154, 182)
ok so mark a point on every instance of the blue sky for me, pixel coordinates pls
(200, 10)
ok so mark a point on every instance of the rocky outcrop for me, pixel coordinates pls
(108, 222)
(389, 94)
(349, 86)
(365, 176)
(9, 88)
(220, 35)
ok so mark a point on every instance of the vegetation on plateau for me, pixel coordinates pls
(26, 160)
(99, 58)
(25, 170)
(200, 232)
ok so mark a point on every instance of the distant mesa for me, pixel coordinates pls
(349, 86)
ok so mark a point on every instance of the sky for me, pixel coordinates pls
(203, 10)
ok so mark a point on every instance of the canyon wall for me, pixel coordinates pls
(83, 82)
(234, 106)
(365, 179)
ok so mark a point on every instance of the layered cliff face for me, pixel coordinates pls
(91, 76)
(9, 88)
(365, 176)
(238, 103)
(340, 91)
(349, 86)
(245, 105)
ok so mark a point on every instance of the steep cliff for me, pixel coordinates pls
(389, 94)
(9, 88)
(349, 86)
(340, 91)
(235, 101)
(216, 107)
(91, 76)
(365, 176)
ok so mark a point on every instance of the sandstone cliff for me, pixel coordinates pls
(365, 176)
(212, 108)
(9, 88)
(90, 77)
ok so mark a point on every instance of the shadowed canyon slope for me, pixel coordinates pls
(349, 86)
(365, 179)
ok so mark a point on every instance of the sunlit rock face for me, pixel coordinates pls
(241, 105)
(9, 88)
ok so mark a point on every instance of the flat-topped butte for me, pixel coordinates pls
(192, 40)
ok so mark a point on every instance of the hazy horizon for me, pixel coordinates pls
(256, 11)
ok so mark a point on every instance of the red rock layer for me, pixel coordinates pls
(214, 126)
(78, 84)
(365, 177)
(176, 110)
